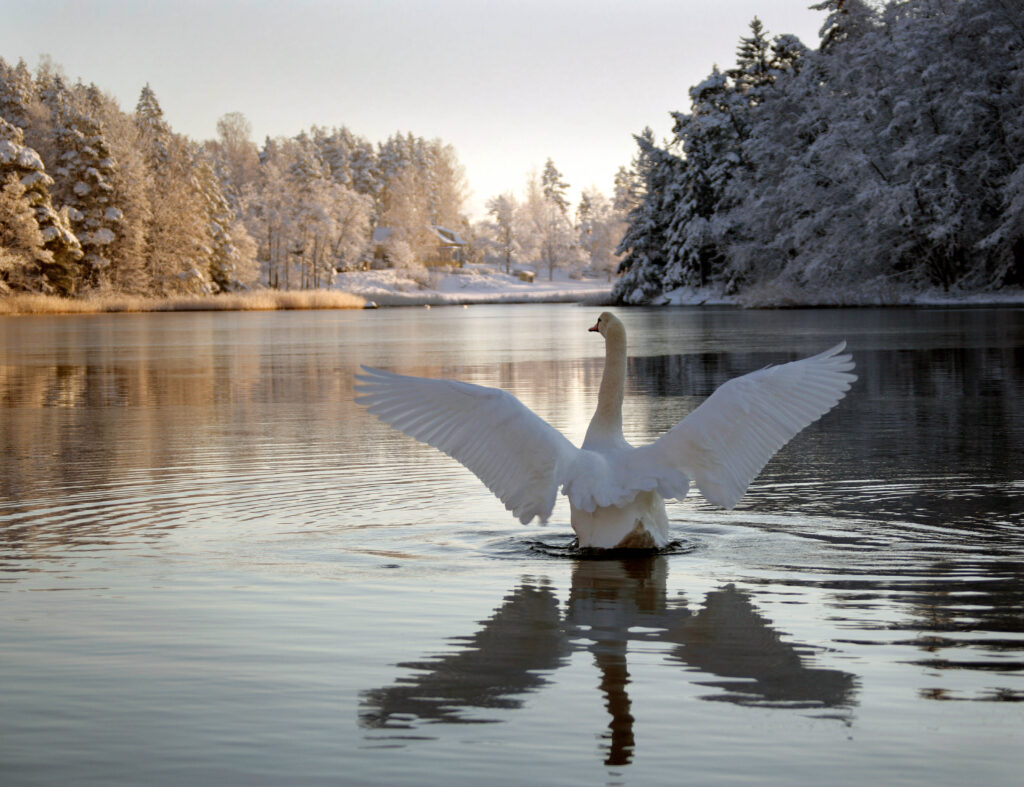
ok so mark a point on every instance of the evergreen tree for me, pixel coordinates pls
(177, 226)
(644, 245)
(221, 253)
(154, 131)
(56, 271)
(846, 20)
(753, 61)
(16, 93)
(85, 171)
(554, 187)
(21, 242)
(711, 138)
(627, 190)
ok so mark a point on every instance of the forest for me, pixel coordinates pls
(96, 201)
(886, 162)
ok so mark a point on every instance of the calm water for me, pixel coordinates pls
(214, 568)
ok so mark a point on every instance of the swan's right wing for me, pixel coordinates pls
(724, 443)
(517, 455)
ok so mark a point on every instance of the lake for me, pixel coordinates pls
(215, 568)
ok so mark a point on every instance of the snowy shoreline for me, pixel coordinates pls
(482, 284)
(687, 296)
(468, 286)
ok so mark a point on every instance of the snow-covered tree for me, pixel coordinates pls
(547, 228)
(644, 246)
(177, 230)
(600, 229)
(21, 243)
(84, 173)
(846, 20)
(236, 153)
(887, 160)
(503, 209)
(554, 187)
(627, 190)
(17, 93)
(55, 271)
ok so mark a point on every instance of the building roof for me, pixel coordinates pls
(448, 237)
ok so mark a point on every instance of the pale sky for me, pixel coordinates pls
(508, 84)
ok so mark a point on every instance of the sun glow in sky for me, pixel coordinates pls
(508, 84)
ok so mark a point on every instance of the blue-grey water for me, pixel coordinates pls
(216, 569)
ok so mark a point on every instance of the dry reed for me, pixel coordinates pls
(260, 300)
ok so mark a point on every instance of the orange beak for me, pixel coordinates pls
(594, 328)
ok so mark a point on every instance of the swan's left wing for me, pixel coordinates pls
(724, 443)
(517, 455)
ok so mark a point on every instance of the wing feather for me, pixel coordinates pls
(517, 455)
(728, 439)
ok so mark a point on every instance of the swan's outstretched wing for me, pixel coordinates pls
(724, 443)
(517, 455)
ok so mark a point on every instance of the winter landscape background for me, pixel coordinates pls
(881, 164)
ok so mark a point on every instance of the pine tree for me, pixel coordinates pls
(85, 171)
(554, 187)
(221, 253)
(644, 244)
(846, 20)
(21, 243)
(177, 225)
(16, 93)
(57, 272)
(627, 190)
(154, 132)
(753, 61)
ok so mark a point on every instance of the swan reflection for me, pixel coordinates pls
(612, 604)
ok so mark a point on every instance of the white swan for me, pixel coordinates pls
(616, 492)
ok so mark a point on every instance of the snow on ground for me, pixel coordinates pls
(774, 299)
(471, 284)
(486, 284)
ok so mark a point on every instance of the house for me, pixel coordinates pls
(449, 250)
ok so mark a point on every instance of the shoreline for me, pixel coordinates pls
(27, 304)
(368, 294)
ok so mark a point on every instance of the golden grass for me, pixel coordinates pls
(261, 300)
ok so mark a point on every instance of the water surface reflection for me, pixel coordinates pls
(614, 606)
(237, 546)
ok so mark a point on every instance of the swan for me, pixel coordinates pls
(616, 492)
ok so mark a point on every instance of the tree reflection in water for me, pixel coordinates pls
(612, 603)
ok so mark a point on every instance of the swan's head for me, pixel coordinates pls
(608, 325)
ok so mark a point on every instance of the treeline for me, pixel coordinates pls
(97, 200)
(887, 161)
(542, 230)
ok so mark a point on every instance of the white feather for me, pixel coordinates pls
(517, 455)
(728, 439)
(615, 491)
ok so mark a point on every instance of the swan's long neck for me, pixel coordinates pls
(606, 425)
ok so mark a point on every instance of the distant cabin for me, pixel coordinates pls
(450, 251)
